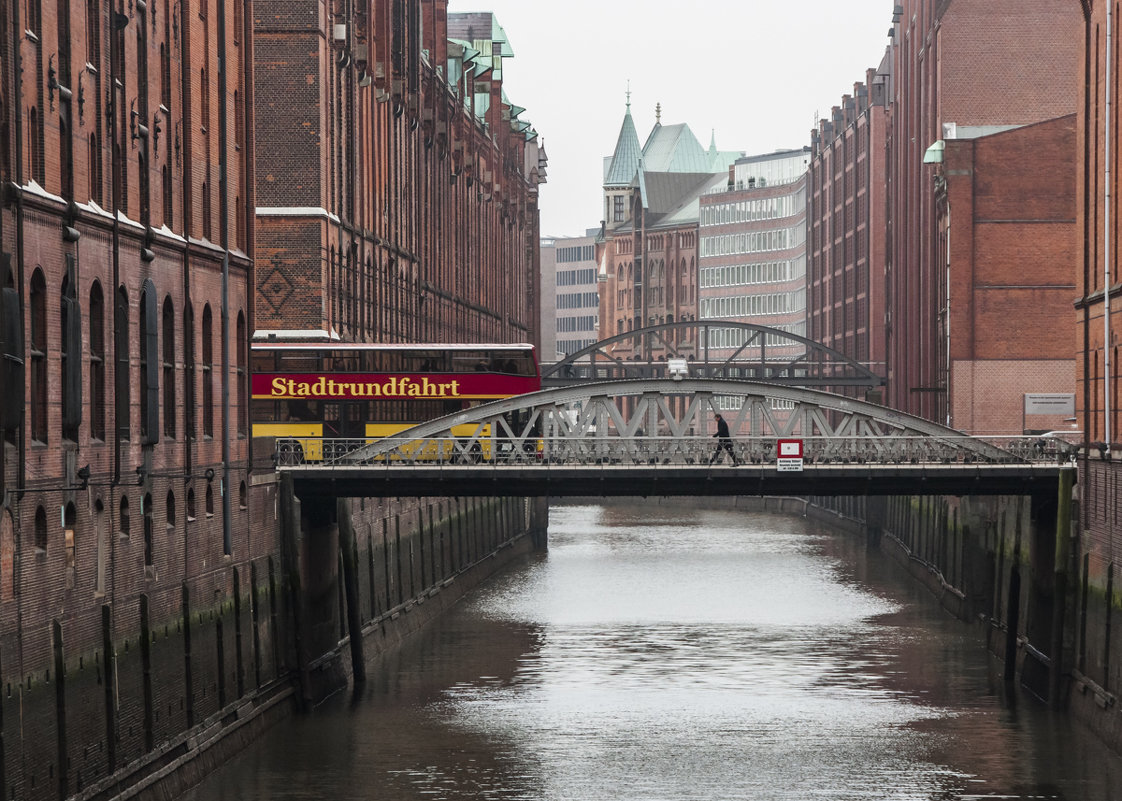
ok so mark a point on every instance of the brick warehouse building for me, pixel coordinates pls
(145, 600)
(400, 198)
(1009, 336)
(125, 168)
(845, 223)
(964, 63)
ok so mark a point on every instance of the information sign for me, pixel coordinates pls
(789, 455)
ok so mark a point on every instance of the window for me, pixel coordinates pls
(102, 546)
(69, 524)
(148, 516)
(35, 145)
(168, 365)
(243, 404)
(70, 353)
(149, 366)
(94, 174)
(97, 363)
(38, 352)
(169, 510)
(123, 517)
(121, 383)
(191, 505)
(208, 389)
(189, 372)
(242, 498)
(41, 530)
(617, 212)
(209, 499)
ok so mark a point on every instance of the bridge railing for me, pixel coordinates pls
(576, 449)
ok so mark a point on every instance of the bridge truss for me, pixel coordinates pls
(667, 422)
(713, 349)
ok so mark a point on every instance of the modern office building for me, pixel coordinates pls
(570, 295)
(752, 252)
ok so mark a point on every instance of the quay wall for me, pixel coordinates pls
(141, 693)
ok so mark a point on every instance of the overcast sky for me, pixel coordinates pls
(756, 73)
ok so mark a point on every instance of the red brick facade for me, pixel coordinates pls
(393, 207)
(845, 252)
(955, 65)
(1011, 274)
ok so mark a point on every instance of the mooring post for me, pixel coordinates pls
(1060, 582)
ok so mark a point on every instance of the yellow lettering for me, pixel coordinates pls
(279, 386)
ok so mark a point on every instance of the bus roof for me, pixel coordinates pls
(390, 346)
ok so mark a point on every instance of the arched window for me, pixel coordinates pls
(38, 353)
(100, 526)
(148, 516)
(242, 413)
(94, 163)
(209, 499)
(121, 385)
(149, 366)
(35, 145)
(70, 353)
(41, 530)
(168, 363)
(191, 504)
(189, 371)
(242, 499)
(208, 389)
(97, 362)
(69, 526)
(170, 510)
(123, 521)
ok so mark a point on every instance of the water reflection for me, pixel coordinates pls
(671, 653)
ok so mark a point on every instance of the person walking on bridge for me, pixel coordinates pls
(724, 441)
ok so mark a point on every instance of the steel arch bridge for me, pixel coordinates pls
(746, 352)
(652, 436)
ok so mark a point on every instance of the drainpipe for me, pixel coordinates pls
(947, 311)
(17, 72)
(224, 234)
(1106, 237)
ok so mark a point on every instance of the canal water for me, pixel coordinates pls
(673, 653)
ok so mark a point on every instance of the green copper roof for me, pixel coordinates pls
(625, 160)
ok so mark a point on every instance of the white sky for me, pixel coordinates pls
(754, 72)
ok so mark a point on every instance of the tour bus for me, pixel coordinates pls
(313, 391)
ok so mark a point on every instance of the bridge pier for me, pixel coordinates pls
(310, 546)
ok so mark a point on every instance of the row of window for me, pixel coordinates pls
(573, 277)
(734, 337)
(69, 519)
(575, 253)
(568, 324)
(733, 403)
(755, 242)
(154, 338)
(748, 305)
(578, 300)
(768, 208)
(759, 273)
(571, 346)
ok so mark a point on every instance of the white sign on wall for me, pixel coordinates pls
(789, 455)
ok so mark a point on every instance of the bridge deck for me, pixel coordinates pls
(542, 478)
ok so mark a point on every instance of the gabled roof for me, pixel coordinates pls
(625, 159)
(674, 148)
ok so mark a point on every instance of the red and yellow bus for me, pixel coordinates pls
(317, 390)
